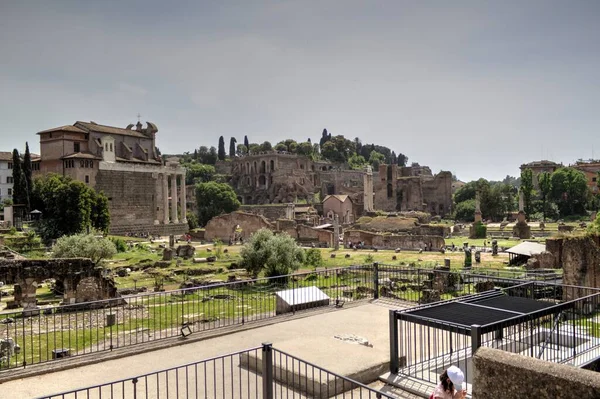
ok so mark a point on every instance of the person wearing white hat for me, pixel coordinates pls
(451, 386)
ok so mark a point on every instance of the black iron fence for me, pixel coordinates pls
(53, 333)
(262, 372)
(565, 329)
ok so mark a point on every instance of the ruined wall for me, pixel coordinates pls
(437, 194)
(81, 279)
(386, 194)
(501, 374)
(223, 227)
(307, 234)
(271, 212)
(581, 262)
(389, 241)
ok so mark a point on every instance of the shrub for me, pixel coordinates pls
(369, 258)
(120, 244)
(313, 257)
(84, 246)
(276, 255)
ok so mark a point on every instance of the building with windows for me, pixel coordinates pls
(6, 177)
(146, 193)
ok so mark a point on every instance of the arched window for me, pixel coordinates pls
(390, 190)
(111, 147)
(262, 180)
(272, 165)
(263, 167)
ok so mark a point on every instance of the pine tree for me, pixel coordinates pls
(232, 147)
(19, 191)
(221, 150)
(27, 170)
(246, 143)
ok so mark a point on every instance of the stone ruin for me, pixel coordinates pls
(185, 251)
(521, 229)
(78, 279)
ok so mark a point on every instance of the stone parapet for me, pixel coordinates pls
(501, 374)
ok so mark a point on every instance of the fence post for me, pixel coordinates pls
(394, 356)
(376, 280)
(475, 338)
(267, 370)
(134, 381)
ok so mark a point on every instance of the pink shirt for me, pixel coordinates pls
(439, 393)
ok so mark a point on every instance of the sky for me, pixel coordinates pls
(474, 87)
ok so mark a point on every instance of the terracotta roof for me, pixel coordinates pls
(66, 128)
(5, 156)
(340, 198)
(137, 160)
(81, 155)
(94, 127)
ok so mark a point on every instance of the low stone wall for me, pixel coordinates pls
(307, 234)
(501, 374)
(389, 241)
(431, 230)
(271, 212)
(154, 229)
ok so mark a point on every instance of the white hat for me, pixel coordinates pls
(457, 377)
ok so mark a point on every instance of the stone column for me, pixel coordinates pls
(477, 208)
(183, 200)
(368, 190)
(165, 193)
(174, 217)
(336, 232)
(521, 201)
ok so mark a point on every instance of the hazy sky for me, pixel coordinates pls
(474, 87)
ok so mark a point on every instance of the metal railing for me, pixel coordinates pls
(52, 333)
(262, 372)
(47, 334)
(567, 332)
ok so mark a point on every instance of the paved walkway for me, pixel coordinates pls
(310, 338)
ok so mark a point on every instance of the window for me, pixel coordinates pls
(10, 165)
(50, 135)
(76, 147)
(81, 164)
(10, 191)
(9, 179)
(87, 179)
(111, 147)
(593, 179)
(91, 164)
(106, 147)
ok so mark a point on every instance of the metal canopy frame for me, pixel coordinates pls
(487, 316)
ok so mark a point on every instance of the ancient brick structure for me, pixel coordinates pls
(146, 194)
(224, 227)
(273, 177)
(392, 241)
(78, 279)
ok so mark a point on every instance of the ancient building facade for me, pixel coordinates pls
(412, 189)
(6, 176)
(538, 167)
(274, 177)
(146, 194)
(590, 169)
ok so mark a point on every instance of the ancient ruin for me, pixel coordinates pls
(521, 229)
(79, 280)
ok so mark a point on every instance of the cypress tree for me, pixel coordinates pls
(246, 144)
(221, 150)
(27, 170)
(232, 144)
(19, 191)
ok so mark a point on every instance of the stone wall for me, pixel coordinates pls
(223, 227)
(501, 374)
(307, 234)
(81, 280)
(390, 241)
(581, 263)
(271, 212)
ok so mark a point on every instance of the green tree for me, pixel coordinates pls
(84, 246)
(27, 174)
(281, 147)
(246, 143)
(241, 150)
(266, 146)
(305, 148)
(207, 156)
(232, 143)
(214, 199)
(545, 184)
(527, 189)
(199, 173)
(569, 191)
(356, 162)
(465, 211)
(276, 255)
(68, 207)
(221, 152)
(375, 159)
(19, 190)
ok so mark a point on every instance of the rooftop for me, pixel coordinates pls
(527, 248)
